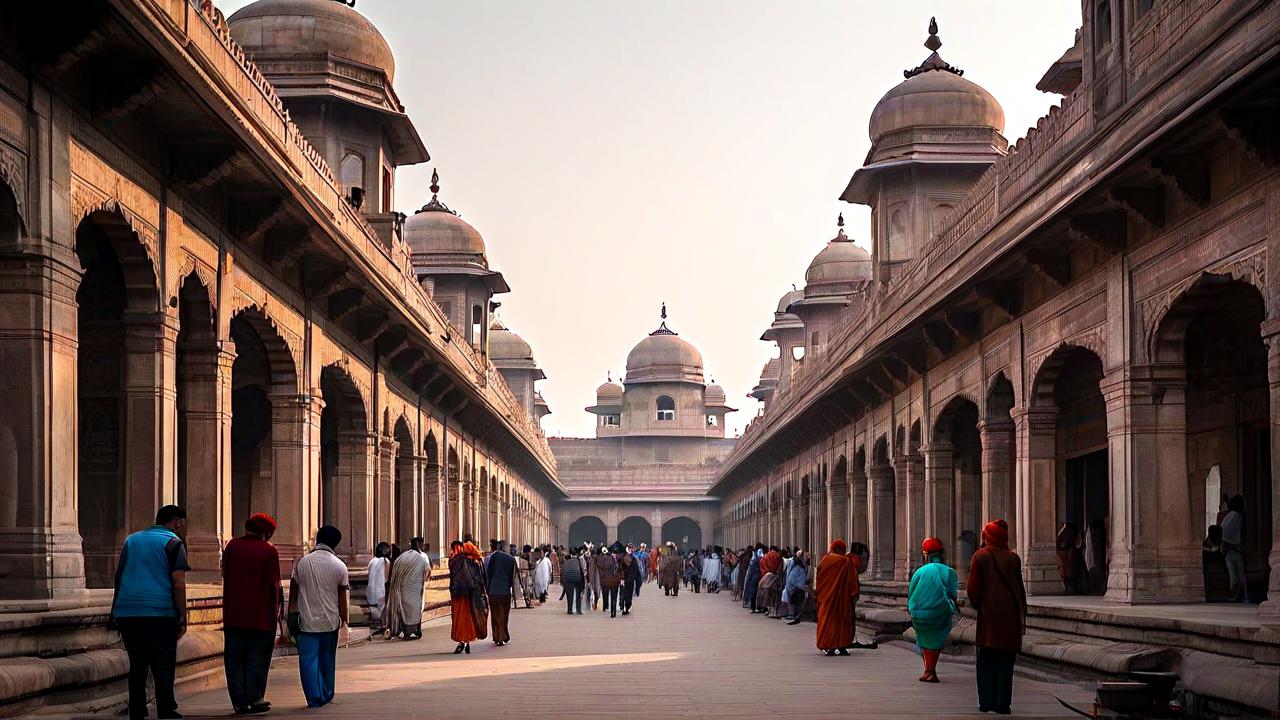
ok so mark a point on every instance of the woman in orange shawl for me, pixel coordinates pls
(837, 590)
(466, 593)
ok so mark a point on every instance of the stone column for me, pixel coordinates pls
(997, 474)
(859, 509)
(357, 463)
(384, 496)
(1269, 612)
(206, 422)
(914, 514)
(837, 513)
(1036, 437)
(820, 537)
(40, 544)
(295, 468)
(1155, 548)
(939, 490)
(151, 411)
(881, 522)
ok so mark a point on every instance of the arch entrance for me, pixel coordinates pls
(682, 531)
(635, 529)
(587, 529)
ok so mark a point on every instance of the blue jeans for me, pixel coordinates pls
(317, 656)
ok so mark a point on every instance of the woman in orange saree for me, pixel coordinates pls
(465, 583)
(837, 590)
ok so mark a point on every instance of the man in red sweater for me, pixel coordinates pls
(251, 605)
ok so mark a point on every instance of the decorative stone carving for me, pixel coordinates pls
(1251, 268)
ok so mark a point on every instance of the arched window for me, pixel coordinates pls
(477, 324)
(814, 341)
(711, 421)
(1101, 26)
(666, 408)
(351, 172)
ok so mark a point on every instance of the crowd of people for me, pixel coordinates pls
(149, 608)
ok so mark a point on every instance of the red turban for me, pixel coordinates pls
(260, 524)
(931, 545)
(838, 547)
(996, 533)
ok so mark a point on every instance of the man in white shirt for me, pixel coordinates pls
(376, 592)
(317, 610)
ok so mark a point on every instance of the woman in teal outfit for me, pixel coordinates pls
(932, 604)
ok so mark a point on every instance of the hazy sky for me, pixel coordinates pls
(618, 155)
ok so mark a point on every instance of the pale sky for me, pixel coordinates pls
(618, 155)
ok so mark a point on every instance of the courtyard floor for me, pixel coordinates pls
(697, 656)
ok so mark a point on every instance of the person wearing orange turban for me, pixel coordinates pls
(837, 590)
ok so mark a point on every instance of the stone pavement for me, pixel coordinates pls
(695, 656)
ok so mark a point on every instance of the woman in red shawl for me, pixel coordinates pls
(837, 591)
(467, 606)
(996, 592)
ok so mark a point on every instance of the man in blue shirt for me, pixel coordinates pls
(150, 608)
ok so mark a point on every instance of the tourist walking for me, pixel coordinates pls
(541, 575)
(837, 591)
(251, 604)
(793, 593)
(500, 583)
(409, 574)
(931, 602)
(610, 580)
(318, 608)
(572, 579)
(996, 592)
(375, 593)
(630, 569)
(669, 570)
(149, 608)
(468, 608)
(711, 570)
(593, 576)
(751, 581)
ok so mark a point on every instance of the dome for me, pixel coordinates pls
(772, 369)
(935, 95)
(609, 391)
(506, 345)
(664, 357)
(437, 230)
(839, 268)
(309, 27)
(785, 301)
(714, 395)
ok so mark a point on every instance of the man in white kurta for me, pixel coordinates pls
(404, 599)
(541, 576)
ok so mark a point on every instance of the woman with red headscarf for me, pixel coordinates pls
(997, 593)
(931, 601)
(468, 608)
(837, 590)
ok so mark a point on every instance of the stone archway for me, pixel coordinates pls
(347, 460)
(953, 481)
(431, 492)
(636, 530)
(684, 532)
(120, 374)
(203, 416)
(404, 490)
(1070, 473)
(452, 496)
(588, 529)
(999, 493)
(1210, 341)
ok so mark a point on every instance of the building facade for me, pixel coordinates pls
(1079, 328)
(659, 437)
(211, 300)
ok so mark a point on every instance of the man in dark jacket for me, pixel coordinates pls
(630, 578)
(996, 592)
(500, 577)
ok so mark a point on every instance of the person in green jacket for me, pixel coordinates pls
(931, 601)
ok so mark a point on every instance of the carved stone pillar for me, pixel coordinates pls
(384, 495)
(1036, 437)
(1155, 548)
(837, 513)
(858, 505)
(205, 476)
(939, 492)
(881, 519)
(40, 544)
(997, 474)
(1269, 612)
(295, 469)
(151, 409)
(357, 463)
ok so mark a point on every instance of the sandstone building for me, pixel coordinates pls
(211, 299)
(658, 440)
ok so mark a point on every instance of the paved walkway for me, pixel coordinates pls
(695, 656)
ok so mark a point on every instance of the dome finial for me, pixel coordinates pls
(435, 183)
(435, 205)
(934, 61)
(662, 328)
(608, 376)
(664, 310)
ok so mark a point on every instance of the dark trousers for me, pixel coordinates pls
(499, 618)
(247, 660)
(625, 594)
(995, 678)
(573, 593)
(152, 645)
(611, 600)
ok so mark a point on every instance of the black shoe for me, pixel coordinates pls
(794, 622)
(468, 648)
(843, 652)
(458, 649)
(829, 653)
(261, 707)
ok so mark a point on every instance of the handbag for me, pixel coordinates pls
(294, 622)
(480, 615)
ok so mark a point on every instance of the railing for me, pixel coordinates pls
(207, 35)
